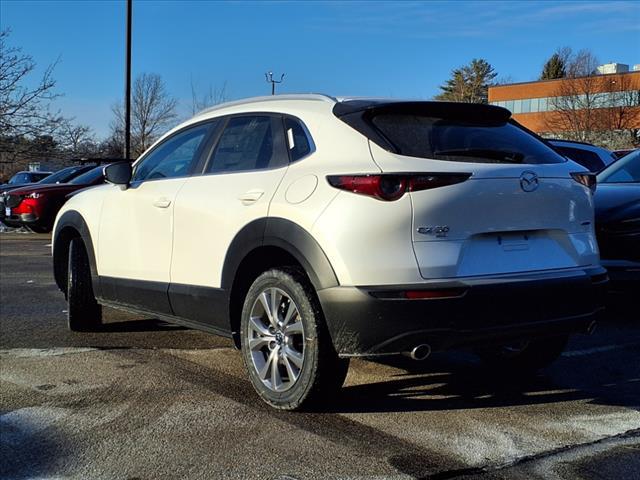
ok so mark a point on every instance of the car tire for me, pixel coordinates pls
(526, 356)
(84, 313)
(289, 356)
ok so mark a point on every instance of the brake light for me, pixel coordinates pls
(586, 179)
(389, 187)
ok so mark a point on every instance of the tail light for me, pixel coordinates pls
(389, 187)
(586, 179)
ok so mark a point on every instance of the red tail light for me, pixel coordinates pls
(391, 187)
(585, 178)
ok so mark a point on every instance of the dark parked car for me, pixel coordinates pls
(589, 156)
(617, 209)
(61, 176)
(622, 153)
(36, 206)
(23, 178)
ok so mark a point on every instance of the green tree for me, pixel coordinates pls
(469, 83)
(553, 68)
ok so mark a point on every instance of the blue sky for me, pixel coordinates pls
(400, 49)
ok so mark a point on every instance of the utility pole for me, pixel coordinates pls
(269, 77)
(127, 88)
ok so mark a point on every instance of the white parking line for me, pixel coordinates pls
(605, 348)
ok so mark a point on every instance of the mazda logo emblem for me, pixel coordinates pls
(529, 181)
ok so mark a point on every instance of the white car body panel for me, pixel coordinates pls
(367, 241)
(135, 238)
(203, 234)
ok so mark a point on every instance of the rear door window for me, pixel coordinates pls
(251, 142)
(297, 139)
(430, 137)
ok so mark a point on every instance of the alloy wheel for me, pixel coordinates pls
(276, 339)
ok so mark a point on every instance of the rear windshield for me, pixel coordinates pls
(455, 140)
(88, 177)
(64, 175)
(625, 170)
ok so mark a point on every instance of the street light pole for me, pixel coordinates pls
(127, 89)
(269, 77)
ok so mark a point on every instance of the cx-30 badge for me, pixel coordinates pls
(438, 230)
(529, 181)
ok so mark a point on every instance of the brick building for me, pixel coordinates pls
(597, 103)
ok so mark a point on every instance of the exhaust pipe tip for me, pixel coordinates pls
(420, 352)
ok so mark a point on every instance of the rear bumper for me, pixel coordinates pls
(495, 309)
(15, 220)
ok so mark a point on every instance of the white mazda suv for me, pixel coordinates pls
(312, 229)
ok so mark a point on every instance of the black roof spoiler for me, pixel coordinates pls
(454, 110)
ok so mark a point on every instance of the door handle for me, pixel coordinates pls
(252, 196)
(162, 202)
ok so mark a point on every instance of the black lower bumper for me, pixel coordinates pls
(484, 310)
(624, 274)
(17, 220)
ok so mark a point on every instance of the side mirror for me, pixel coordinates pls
(118, 173)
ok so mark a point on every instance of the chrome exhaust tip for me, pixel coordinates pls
(420, 352)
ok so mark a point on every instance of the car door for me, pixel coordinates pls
(136, 224)
(238, 182)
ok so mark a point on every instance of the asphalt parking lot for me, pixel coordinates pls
(146, 400)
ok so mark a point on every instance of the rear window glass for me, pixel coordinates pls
(585, 158)
(299, 145)
(64, 175)
(249, 143)
(625, 170)
(88, 177)
(454, 140)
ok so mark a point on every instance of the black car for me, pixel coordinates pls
(617, 208)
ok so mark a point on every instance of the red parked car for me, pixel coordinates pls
(36, 206)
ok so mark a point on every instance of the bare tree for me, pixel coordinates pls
(213, 96)
(27, 124)
(76, 140)
(152, 110)
(594, 108)
(576, 99)
(24, 104)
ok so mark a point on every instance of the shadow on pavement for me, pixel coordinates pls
(146, 325)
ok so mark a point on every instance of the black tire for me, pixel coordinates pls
(525, 356)
(84, 314)
(322, 372)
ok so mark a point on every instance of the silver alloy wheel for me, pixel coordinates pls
(276, 339)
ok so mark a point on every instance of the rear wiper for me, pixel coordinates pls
(503, 155)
